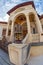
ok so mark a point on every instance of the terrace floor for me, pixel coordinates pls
(4, 59)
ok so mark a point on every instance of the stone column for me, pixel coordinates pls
(38, 23)
(28, 26)
(12, 31)
(39, 27)
(7, 29)
(7, 36)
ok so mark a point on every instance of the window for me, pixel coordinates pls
(4, 32)
(34, 31)
(18, 31)
(9, 32)
(31, 17)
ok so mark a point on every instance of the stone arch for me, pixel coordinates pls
(20, 26)
(33, 25)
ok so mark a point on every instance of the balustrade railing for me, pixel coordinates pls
(35, 37)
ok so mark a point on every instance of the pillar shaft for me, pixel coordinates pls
(29, 38)
(12, 32)
(28, 24)
(7, 30)
(38, 23)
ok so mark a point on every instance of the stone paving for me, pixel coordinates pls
(38, 60)
(4, 58)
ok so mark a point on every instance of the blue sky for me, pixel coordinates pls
(6, 5)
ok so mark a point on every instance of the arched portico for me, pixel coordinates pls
(19, 27)
(28, 23)
(33, 25)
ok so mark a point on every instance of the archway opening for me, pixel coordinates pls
(20, 28)
(33, 23)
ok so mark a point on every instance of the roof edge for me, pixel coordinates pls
(41, 16)
(20, 5)
(3, 22)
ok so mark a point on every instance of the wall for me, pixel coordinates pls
(2, 26)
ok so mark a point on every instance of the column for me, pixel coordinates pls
(7, 29)
(12, 32)
(38, 23)
(28, 24)
(29, 30)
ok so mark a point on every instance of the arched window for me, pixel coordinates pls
(32, 23)
(32, 17)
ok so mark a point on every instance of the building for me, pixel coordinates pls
(25, 28)
(25, 18)
(3, 28)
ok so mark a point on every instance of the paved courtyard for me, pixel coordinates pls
(36, 60)
(4, 59)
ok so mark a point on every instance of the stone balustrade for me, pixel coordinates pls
(35, 38)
